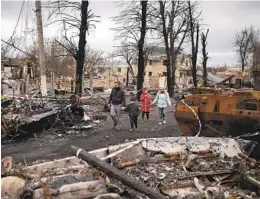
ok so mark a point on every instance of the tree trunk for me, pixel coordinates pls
(173, 75)
(205, 57)
(80, 56)
(169, 79)
(140, 76)
(167, 49)
(194, 29)
(195, 46)
(205, 74)
(127, 76)
(91, 87)
(41, 47)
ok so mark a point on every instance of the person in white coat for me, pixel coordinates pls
(163, 101)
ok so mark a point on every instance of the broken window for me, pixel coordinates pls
(248, 105)
(251, 105)
(150, 73)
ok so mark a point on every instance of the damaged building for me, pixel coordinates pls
(15, 75)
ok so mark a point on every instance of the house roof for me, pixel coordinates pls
(14, 62)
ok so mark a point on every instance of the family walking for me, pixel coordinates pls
(117, 101)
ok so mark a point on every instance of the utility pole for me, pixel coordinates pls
(41, 47)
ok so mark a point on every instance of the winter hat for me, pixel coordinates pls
(132, 99)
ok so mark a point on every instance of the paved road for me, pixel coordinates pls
(50, 146)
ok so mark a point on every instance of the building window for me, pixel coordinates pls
(164, 74)
(150, 62)
(144, 73)
(150, 73)
(119, 70)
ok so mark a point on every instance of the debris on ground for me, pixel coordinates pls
(26, 117)
(175, 167)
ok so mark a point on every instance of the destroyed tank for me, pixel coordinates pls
(216, 113)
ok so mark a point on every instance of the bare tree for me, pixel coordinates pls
(141, 42)
(133, 23)
(204, 56)
(128, 53)
(244, 40)
(173, 27)
(149, 49)
(66, 12)
(194, 28)
(94, 58)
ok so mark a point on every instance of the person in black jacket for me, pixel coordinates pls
(117, 102)
(133, 111)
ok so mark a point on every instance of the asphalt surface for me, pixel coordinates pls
(49, 145)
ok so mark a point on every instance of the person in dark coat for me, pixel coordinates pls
(117, 102)
(133, 111)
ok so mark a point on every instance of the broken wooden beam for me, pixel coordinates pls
(116, 174)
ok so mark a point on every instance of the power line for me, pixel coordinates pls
(18, 49)
(17, 22)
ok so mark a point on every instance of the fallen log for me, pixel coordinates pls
(117, 174)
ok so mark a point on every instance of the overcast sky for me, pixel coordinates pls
(223, 18)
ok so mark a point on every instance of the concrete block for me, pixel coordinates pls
(8, 74)
(7, 69)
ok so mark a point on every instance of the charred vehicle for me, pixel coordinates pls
(212, 112)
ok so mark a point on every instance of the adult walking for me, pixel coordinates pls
(117, 101)
(162, 100)
(146, 102)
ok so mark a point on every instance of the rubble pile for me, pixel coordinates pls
(194, 167)
(176, 167)
(21, 118)
(96, 107)
(64, 178)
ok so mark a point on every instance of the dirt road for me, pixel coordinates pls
(48, 146)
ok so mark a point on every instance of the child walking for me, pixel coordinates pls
(163, 101)
(145, 99)
(133, 111)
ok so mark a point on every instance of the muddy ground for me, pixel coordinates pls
(49, 145)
